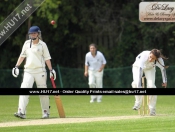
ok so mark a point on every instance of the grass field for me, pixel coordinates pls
(78, 107)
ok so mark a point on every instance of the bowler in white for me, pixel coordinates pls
(146, 63)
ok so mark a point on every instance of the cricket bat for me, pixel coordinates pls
(58, 101)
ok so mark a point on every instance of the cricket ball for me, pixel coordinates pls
(52, 22)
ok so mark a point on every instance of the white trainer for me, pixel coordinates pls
(98, 101)
(135, 108)
(46, 115)
(20, 115)
(152, 112)
(91, 101)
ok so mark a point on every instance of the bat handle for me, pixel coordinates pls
(53, 83)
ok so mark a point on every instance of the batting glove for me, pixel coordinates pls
(15, 71)
(53, 74)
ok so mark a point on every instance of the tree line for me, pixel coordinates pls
(78, 20)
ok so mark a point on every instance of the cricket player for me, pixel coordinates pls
(94, 65)
(145, 63)
(37, 54)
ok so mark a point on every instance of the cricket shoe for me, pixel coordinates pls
(20, 115)
(45, 116)
(98, 101)
(152, 114)
(135, 108)
(91, 101)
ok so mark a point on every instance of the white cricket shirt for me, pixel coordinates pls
(35, 56)
(142, 61)
(94, 63)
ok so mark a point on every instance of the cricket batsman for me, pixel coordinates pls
(36, 53)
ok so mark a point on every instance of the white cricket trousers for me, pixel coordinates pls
(28, 80)
(95, 81)
(150, 78)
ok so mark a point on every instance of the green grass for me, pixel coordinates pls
(79, 107)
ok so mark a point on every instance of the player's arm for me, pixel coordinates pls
(49, 65)
(86, 70)
(47, 58)
(164, 77)
(52, 71)
(86, 67)
(15, 70)
(22, 55)
(102, 67)
(20, 60)
(163, 71)
(104, 63)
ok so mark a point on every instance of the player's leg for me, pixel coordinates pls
(40, 80)
(28, 81)
(92, 84)
(92, 80)
(99, 83)
(152, 104)
(150, 77)
(138, 98)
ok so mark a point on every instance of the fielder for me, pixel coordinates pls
(36, 53)
(94, 65)
(145, 63)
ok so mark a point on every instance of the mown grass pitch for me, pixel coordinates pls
(79, 107)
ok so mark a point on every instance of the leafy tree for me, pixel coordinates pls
(113, 24)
